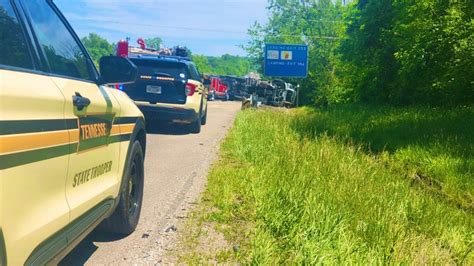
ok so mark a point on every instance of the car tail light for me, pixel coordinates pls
(119, 87)
(190, 89)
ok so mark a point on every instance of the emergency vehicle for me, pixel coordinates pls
(219, 89)
(169, 86)
(71, 148)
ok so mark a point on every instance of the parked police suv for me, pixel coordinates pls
(169, 88)
(71, 149)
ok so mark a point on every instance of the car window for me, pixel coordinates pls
(194, 73)
(13, 46)
(63, 53)
(152, 67)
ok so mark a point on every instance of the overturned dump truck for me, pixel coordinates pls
(235, 85)
(274, 93)
(285, 95)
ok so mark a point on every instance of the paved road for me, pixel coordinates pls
(175, 174)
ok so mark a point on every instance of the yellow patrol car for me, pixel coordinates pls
(71, 149)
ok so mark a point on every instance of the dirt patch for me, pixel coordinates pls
(200, 243)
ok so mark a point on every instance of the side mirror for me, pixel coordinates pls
(116, 69)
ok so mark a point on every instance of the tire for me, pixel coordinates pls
(195, 126)
(125, 218)
(204, 118)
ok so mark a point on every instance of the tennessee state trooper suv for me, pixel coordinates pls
(71, 149)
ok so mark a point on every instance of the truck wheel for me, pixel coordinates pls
(125, 218)
(204, 118)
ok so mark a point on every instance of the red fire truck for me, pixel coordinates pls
(218, 89)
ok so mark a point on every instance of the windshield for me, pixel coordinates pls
(156, 67)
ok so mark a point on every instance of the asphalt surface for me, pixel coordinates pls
(176, 169)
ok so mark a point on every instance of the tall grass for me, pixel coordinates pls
(434, 146)
(347, 185)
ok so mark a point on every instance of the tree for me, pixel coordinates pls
(318, 24)
(435, 52)
(97, 47)
(411, 52)
(223, 65)
(202, 63)
(13, 46)
(154, 43)
(370, 50)
(397, 52)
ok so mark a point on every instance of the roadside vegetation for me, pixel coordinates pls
(352, 184)
(97, 47)
(408, 52)
(224, 65)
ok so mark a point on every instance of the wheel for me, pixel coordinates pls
(212, 97)
(195, 126)
(125, 218)
(204, 118)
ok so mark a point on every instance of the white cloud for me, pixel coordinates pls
(220, 22)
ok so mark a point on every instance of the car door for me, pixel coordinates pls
(93, 166)
(34, 145)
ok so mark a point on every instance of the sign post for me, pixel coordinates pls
(286, 60)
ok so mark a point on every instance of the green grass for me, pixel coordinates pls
(349, 184)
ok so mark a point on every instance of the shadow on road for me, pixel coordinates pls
(167, 128)
(82, 252)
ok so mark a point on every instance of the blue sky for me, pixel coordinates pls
(210, 27)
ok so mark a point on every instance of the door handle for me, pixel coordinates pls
(80, 102)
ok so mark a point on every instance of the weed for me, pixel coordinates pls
(351, 184)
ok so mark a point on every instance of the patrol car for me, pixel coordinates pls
(71, 149)
(168, 88)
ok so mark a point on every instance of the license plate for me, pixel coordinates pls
(153, 89)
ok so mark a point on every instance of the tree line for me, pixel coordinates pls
(220, 65)
(223, 65)
(397, 52)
